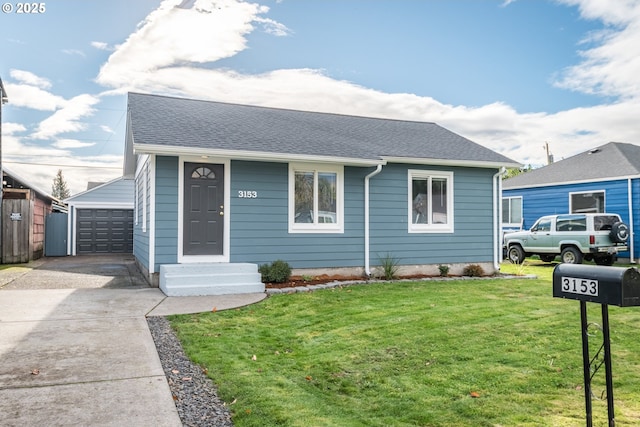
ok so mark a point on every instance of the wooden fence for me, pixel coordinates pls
(17, 231)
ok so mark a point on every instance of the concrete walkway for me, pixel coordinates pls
(75, 348)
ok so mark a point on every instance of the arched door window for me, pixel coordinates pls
(203, 172)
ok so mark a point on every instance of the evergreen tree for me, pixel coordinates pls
(59, 189)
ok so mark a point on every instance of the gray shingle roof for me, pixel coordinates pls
(161, 122)
(612, 160)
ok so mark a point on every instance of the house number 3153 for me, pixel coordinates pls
(244, 194)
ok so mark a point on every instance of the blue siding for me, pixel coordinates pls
(537, 202)
(117, 191)
(259, 227)
(473, 218)
(166, 211)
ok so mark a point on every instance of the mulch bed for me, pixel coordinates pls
(295, 281)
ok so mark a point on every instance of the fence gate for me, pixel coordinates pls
(55, 237)
(17, 244)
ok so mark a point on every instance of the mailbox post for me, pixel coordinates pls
(605, 286)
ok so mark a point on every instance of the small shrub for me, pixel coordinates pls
(473, 270)
(277, 272)
(389, 266)
(444, 270)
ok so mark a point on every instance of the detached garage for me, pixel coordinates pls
(101, 219)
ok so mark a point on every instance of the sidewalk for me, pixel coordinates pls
(83, 355)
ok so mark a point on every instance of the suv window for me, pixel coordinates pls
(542, 225)
(571, 223)
(604, 222)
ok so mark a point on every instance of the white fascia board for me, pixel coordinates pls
(101, 205)
(584, 181)
(252, 155)
(446, 162)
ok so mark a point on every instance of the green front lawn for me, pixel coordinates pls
(490, 352)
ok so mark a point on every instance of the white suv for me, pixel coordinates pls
(573, 237)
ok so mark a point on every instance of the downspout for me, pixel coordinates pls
(631, 233)
(497, 218)
(367, 266)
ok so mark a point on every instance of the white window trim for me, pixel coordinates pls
(338, 227)
(145, 183)
(430, 228)
(512, 224)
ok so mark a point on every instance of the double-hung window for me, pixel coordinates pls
(316, 195)
(512, 211)
(430, 201)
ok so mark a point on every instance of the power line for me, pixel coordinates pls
(62, 166)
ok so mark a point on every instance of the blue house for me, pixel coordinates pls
(222, 188)
(603, 179)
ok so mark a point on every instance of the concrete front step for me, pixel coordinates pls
(210, 279)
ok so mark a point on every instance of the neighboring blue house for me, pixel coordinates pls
(604, 179)
(221, 188)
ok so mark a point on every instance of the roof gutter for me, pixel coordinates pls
(451, 162)
(497, 218)
(367, 266)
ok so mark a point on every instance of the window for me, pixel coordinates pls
(315, 199)
(571, 223)
(430, 201)
(588, 202)
(512, 211)
(543, 224)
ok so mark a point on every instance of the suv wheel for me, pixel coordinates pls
(516, 254)
(571, 255)
(619, 232)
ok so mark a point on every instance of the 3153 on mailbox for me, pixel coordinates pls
(604, 285)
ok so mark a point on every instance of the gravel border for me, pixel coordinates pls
(194, 394)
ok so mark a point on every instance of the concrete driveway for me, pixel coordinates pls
(75, 347)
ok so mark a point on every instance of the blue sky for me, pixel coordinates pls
(510, 75)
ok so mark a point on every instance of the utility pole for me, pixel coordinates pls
(549, 155)
(3, 100)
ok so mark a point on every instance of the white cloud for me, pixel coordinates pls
(612, 66)
(101, 46)
(22, 95)
(106, 129)
(67, 119)
(197, 32)
(73, 52)
(30, 79)
(273, 27)
(66, 143)
(11, 128)
(39, 164)
(165, 53)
